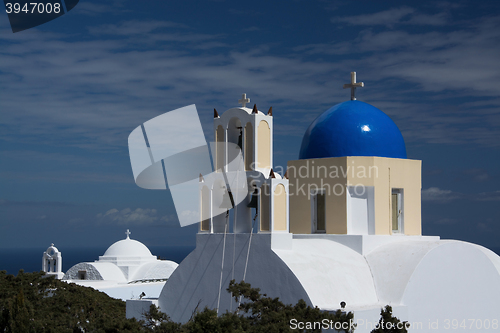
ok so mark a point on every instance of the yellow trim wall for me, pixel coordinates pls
(336, 174)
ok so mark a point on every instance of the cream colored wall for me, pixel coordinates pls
(264, 145)
(406, 174)
(356, 170)
(300, 186)
(279, 209)
(392, 173)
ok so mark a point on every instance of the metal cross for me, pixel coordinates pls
(353, 85)
(244, 100)
(127, 233)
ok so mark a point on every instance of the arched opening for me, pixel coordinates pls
(234, 136)
(218, 212)
(248, 146)
(264, 208)
(205, 209)
(264, 145)
(279, 213)
(219, 150)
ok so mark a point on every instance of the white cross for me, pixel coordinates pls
(353, 85)
(127, 233)
(244, 100)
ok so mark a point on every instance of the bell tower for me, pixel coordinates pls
(251, 130)
(245, 132)
(52, 262)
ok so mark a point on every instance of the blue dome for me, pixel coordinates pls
(352, 128)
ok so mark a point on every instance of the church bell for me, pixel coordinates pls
(254, 200)
(240, 138)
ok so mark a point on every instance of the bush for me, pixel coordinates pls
(390, 324)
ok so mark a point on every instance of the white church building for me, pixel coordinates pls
(342, 225)
(126, 270)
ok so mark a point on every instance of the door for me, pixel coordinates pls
(397, 210)
(318, 211)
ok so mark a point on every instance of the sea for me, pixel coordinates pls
(30, 259)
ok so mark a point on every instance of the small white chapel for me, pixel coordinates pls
(127, 269)
(343, 224)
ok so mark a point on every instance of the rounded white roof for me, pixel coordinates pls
(51, 250)
(127, 248)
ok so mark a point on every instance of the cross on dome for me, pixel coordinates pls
(244, 100)
(353, 85)
(128, 234)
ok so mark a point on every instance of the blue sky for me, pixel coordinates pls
(73, 89)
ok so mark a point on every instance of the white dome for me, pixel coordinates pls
(127, 248)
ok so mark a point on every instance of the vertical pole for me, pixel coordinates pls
(353, 88)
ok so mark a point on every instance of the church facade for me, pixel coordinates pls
(342, 225)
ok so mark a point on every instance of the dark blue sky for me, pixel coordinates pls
(73, 89)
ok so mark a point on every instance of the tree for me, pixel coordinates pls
(30, 302)
(266, 314)
(256, 313)
(390, 324)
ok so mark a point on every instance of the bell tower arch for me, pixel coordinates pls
(52, 262)
(240, 130)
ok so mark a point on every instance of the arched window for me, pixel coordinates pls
(205, 209)
(264, 207)
(248, 146)
(219, 149)
(280, 211)
(264, 145)
(234, 136)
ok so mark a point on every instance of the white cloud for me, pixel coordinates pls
(113, 7)
(67, 176)
(131, 28)
(127, 216)
(417, 77)
(489, 196)
(87, 8)
(446, 221)
(386, 17)
(477, 174)
(105, 88)
(139, 216)
(390, 17)
(435, 194)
